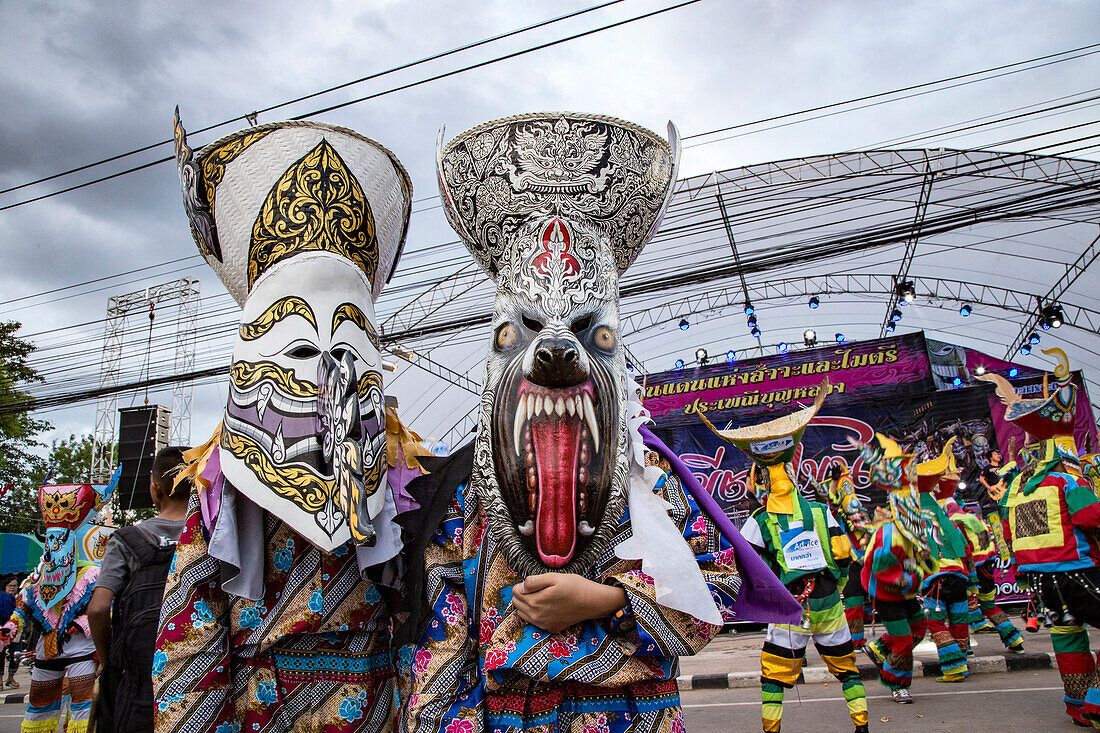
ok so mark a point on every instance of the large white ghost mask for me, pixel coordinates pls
(555, 207)
(304, 224)
(305, 389)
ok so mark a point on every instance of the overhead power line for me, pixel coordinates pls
(402, 87)
(312, 95)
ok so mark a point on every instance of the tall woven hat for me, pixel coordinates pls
(612, 175)
(265, 194)
(1048, 417)
(775, 441)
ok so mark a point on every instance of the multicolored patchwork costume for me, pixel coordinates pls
(1053, 515)
(807, 548)
(55, 603)
(558, 479)
(981, 559)
(945, 588)
(895, 564)
(840, 494)
(278, 606)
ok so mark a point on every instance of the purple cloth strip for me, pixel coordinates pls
(210, 498)
(762, 598)
(399, 477)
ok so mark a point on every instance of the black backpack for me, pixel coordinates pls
(126, 688)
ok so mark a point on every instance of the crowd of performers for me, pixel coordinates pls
(922, 564)
(333, 576)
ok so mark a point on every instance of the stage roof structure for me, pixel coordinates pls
(1005, 234)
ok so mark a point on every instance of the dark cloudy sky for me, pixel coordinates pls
(80, 81)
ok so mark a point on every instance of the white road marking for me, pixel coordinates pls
(917, 697)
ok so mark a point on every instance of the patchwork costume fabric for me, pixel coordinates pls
(278, 607)
(894, 566)
(806, 547)
(945, 587)
(555, 207)
(840, 494)
(54, 600)
(1053, 513)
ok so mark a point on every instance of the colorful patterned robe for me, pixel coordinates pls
(312, 655)
(610, 676)
(55, 624)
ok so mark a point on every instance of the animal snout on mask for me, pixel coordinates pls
(556, 362)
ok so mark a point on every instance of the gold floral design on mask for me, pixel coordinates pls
(299, 485)
(316, 205)
(246, 375)
(368, 380)
(214, 162)
(352, 312)
(277, 311)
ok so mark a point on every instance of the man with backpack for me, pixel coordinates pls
(132, 577)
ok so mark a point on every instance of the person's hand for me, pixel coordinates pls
(556, 601)
(925, 554)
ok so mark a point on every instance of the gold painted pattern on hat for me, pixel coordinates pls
(214, 162)
(316, 205)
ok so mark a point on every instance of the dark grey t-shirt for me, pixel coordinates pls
(120, 562)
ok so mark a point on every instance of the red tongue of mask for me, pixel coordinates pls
(556, 441)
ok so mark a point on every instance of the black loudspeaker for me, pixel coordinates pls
(142, 431)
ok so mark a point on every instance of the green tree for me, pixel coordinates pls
(70, 459)
(21, 468)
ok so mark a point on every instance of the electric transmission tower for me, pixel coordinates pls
(179, 300)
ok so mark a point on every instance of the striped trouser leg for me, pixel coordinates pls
(855, 605)
(780, 664)
(987, 601)
(834, 643)
(44, 701)
(979, 624)
(941, 608)
(1076, 665)
(902, 621)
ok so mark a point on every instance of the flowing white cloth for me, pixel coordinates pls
(655, 540)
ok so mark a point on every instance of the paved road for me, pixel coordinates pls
(1004, 703)
(1020, 701)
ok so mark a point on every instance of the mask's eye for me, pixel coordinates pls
(604, 338)
(302, 351)
(531, 324)
(507, 335)
(581, 324)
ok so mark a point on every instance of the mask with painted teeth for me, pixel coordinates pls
(303, 223)
(555, 207)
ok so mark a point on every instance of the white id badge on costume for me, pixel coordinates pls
(802, 549)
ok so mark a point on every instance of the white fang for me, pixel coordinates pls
(590, 418)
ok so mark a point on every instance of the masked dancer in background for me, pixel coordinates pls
(840, 494)
(1053, 513)
(56, 602)
(980, 564)
(945, 587)
(807, 548)
(896, 561)
(568, 572)
(278, 605)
